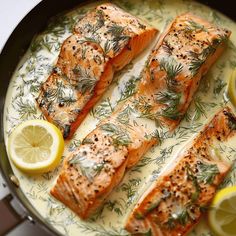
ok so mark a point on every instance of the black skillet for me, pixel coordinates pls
(13, 50)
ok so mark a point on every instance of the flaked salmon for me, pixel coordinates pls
(176, 200)
(164, 92)
(104, 41)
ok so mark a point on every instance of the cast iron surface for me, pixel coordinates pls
(15, 48)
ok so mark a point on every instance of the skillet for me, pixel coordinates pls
(12, 52)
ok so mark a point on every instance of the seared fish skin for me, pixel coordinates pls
(104, 41)
(163, 94)
(176, 200)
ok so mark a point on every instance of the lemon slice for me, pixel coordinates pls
(232, 88)
(222, 214)
(36, 146)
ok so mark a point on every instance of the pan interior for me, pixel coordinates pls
(35, 67)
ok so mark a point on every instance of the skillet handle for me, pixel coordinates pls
(9, 218)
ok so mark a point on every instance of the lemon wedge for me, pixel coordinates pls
(36, 146)
(232, 88)
(222, 213)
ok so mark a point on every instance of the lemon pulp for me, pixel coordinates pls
(222, 214)
(36, 146)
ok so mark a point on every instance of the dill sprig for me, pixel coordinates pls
(194, 26)
(123, 116)
(198, 59)
(218, 86)
(207, 172)
(172, 69)
(115, 30)
(103, 110)
(118, 134)
(89, 168)
(25, 108)
(194, 179)
(86, 81)
(129, 88)
(200, 108)
(171, 100)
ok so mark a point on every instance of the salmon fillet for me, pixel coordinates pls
(104, 41)
(176, 200)
(119, 141)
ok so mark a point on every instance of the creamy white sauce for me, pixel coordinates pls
(34, 69)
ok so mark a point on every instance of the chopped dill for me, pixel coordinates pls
(172, 69)
(103, 110)
(129, 88)
(207, 172)
(88, 167)
(118, 134)
(86, 81)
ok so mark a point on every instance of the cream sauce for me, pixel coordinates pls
(34, 69)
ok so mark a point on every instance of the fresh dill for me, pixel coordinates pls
(124, 116)
(87, 141)
(207, 172)
(130, 189)
(171, 100)
(194, 179)
(198, 59)
(85, 81)
(194, 26)
(25, 108)
(103, 110)
(129, 88)
(172, 69)
(218, 86)
(115, 30)
(118, 134)
(199, 109)
(89, 168)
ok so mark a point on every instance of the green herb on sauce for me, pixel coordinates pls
(218, 86)
(124, 116)
(103, 110)
(129, 88)
(118, 134)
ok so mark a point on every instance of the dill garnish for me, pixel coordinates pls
(194, 26)
(123, 116)
(207, 172)
(103, 110)
(86, 82)
(218, 86)
(172, 100)
(200, 108)
(194, 179)
(87, 141)
(118, 134)
(89, 168)
(115, 30)
(129, 88)
(199, 59)
(172, 69)
(25, 108)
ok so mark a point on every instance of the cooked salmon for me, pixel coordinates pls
(104, 41)
(163, 94)
(176, 199)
